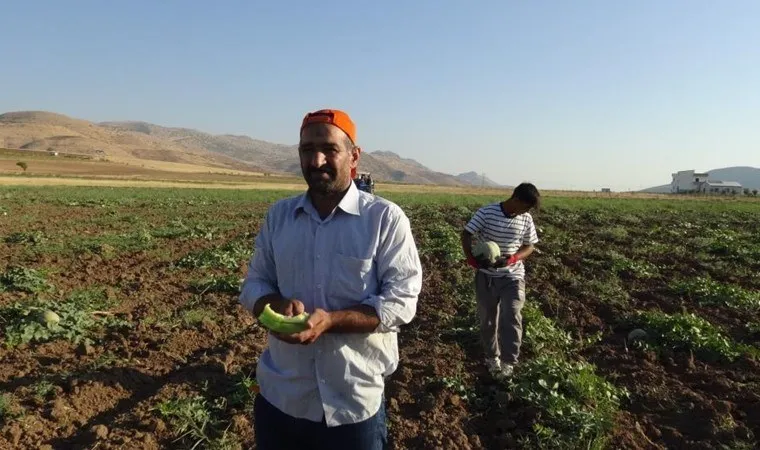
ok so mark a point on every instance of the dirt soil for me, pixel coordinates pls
(105, 395)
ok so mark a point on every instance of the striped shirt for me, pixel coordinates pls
(491, 224)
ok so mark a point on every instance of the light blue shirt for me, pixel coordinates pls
(361, 254)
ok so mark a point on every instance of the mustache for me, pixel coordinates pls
(326, 170)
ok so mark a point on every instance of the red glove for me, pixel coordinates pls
(504, 261)
(478, 264)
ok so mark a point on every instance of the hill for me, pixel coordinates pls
(266, 155)
(391, 166)
(134, 141)
(281, 158)
(476, 179)
(45, 131)
(748, 177)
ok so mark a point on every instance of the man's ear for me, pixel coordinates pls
(356, 154)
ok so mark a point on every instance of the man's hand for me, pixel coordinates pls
(505, 261)
(319, 322)
(287, 307)
(471, 260)
(476, 263)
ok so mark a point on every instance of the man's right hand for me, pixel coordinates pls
(287, 306)
(476, 263)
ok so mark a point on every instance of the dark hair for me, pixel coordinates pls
(528, 194)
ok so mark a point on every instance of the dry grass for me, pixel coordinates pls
(110, 182)
(42, 164)
(45, 170)
(180, 167)
(294, 184)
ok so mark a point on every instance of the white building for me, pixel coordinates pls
(688, 181)
(720, 187)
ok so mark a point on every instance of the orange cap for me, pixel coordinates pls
(332, 116)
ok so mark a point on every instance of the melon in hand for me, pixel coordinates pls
(486, 251)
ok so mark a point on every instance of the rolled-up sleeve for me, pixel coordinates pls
(261, 278)
(399, 274)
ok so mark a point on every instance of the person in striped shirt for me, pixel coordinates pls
(500, 287)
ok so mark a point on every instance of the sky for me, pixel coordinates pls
(566, 94)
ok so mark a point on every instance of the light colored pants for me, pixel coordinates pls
(500, 301)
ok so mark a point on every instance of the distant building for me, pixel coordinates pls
(606, 190)
(690, 182)
(721, 187)
(687, 181)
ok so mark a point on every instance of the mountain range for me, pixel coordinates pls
(136, 140)
(748, 177)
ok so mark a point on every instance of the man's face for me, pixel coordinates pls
(519, 207)
(327, 158)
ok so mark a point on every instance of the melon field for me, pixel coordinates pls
(153, 351)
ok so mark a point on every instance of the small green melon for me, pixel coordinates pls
(487, 250)
(50, 317)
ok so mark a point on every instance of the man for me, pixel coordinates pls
(362, 184)
(349, 259)
(500, 287)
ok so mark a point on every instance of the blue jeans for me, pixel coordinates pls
(276, 430)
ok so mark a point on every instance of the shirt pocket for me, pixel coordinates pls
(350, 280)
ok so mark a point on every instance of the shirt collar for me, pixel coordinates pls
(349, 203)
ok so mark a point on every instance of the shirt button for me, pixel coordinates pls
(318, 256)
(322, 381)
(319, 286)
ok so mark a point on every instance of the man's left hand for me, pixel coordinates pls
(319, 322)
(506, 261)
(478, 263)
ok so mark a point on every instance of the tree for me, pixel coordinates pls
(754, 192)
(22, 164)
(746, 191)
